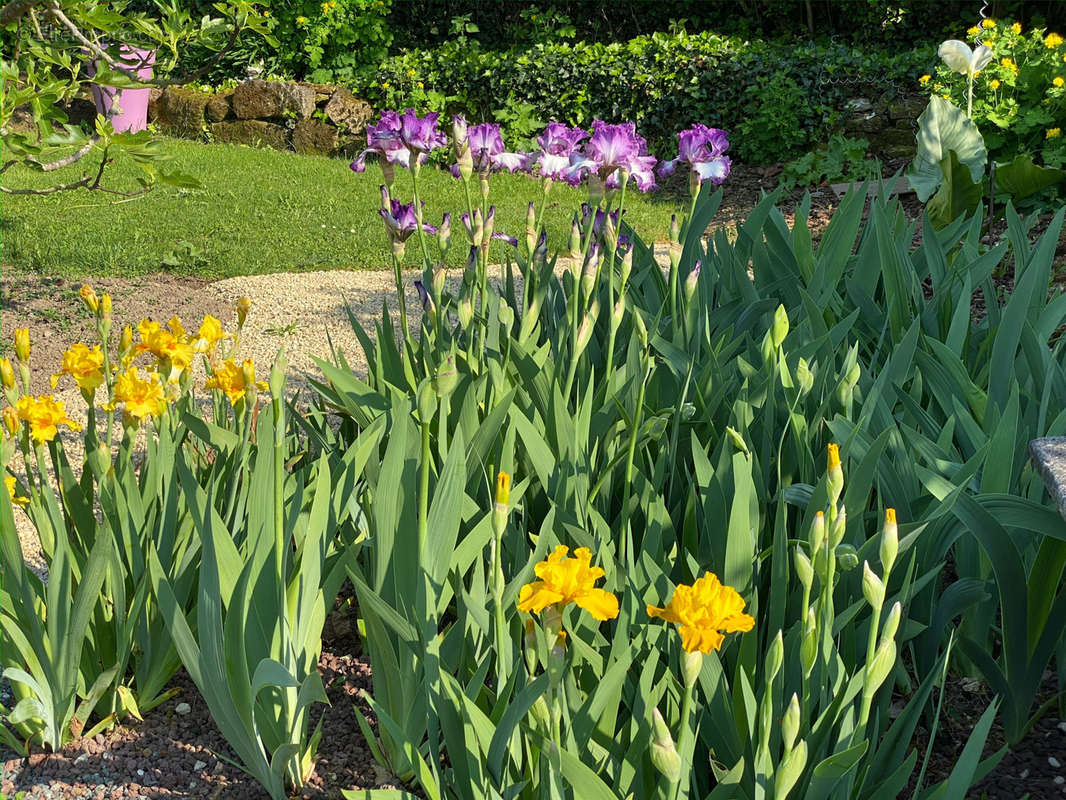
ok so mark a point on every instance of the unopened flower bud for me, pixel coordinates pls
(804, 570)
(780, 328)
(627, 266)
(675, 230)
(809, 645)
(426, 400)
(447, 378)
(575, 241)
(775, 657)
(852, 378)
(244, 305)
(691, 665)
(88, 297)
(889, 541)
(790, 723)
(552, 619)
(531, 227)
(838, 528)
(804, 377)
(790, 770)
(502, 504)
(11, 421)
(892, 622)
(584, 332)
(872, 587)
(836, 473)
(847, 557)
(817, 535)
(618, 314)
(506, 315)
(250, 389)
(557, 659)
(596, 188)
(475, 227)
(641, 328)
(880, 668)
(459, 131)
(610, 232)
(105, 307)
(664, 755)
(691, 281)
(7, 374)
(277, 376)
(439, 277)
(22, 345)
(466, 310)
(529, 647)
(125, 341)
(738, 441)
(444, 233)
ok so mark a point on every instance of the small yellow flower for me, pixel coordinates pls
(301, 20)
(18, 500)
(144, 397)
(1052, 40)
(410, 73)
(1016, 28)
(88, 296)
(973, 31)
(1008, 63)
(565, 580)
(230, 380)
(1053, 133)
(1058, 82)
(833, 457)
(988, 23)
(925, 79)
(85, 365)
(705, 611)
(993, 84)
(421, 85)
(266, 13)
(209, 335)
(503, 489)
(44, 416)
(385, 85)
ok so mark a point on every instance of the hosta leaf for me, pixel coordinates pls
(943, 128)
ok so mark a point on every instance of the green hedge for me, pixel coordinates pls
(775, 98)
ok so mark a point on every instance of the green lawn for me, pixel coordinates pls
(259, 211)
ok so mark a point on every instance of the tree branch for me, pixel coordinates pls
(59, 187)
(66, 161)
(16, 10)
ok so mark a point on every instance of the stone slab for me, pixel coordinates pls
(1049, 458)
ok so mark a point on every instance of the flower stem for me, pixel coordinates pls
(683, 739)
(423, 491)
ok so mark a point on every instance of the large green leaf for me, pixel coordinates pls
(943, 127)
(1021, 177)
(959, 195)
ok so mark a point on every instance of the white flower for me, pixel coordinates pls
(961, 58)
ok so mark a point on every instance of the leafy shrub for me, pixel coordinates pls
(663, 82)
(842, 158)
(1019, 99)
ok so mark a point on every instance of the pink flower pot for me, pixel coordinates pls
(126, 108)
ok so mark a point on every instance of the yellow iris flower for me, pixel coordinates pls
(230, 379)
(144, 397)
(18, 500)
(565, 580)
(44, 416)
(705, 612)
(85, 365)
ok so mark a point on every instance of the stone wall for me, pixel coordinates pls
(308, 118)
(889, 125)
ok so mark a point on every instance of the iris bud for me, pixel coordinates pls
(804, 570)
(775, 658)
(809, 645)
(892, 622)
(575, 240)
(557, 659)
(427, 402)
(691, 664)
(790, 770)
(22, 345)
(7, 373)
(872, 587)
(125, 341)
(502, 504)
(596, 188)
(447, 378)
(691, 281)
(627, 266)
(780, 329)
(836, 473)
(641, 328)
(444, 233)
(664, 755)
(529, 647)
(804, 377)
(531, 228)
(847, 557)
(584, 332)
(817, 535)
(11, 421)
(244, 305)
(88, 297)
(790, 723)
(889, 541)
(506, 315)
(466, 310)
(839, 527)
(105, 307)
(619, 313)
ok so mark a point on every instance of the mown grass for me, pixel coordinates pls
(259, 211)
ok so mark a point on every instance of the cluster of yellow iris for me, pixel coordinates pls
(142, 391)
(704, 611)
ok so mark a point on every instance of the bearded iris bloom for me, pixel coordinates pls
(400, 221)
(489, 153)
(559, 149)
(420, 134)
(613, 149)
(144, 397)
(85, 365)
(565, 580)
(384, 140)
(702, 149)
(705, 612)
(44, 416)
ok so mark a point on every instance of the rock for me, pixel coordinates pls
(259, 99)
(909, 108)
(255, 132)
(199, 765)
(179, 111)
(1054, 762)
(864, 123)
(859, 104)
(314, 137)
(218, 107)
(153, 97)
(181, 708)
(348, 112)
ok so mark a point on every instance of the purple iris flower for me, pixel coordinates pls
(617, 147)
(400, 221)
(384, 140)
(702, 149)
(600, 218)
(559, 148)
(488, 151)
(423, 295)
(420, 134)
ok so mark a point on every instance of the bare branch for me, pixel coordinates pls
(66, 161)
(61, 187)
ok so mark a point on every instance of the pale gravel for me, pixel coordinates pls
(305, 313)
